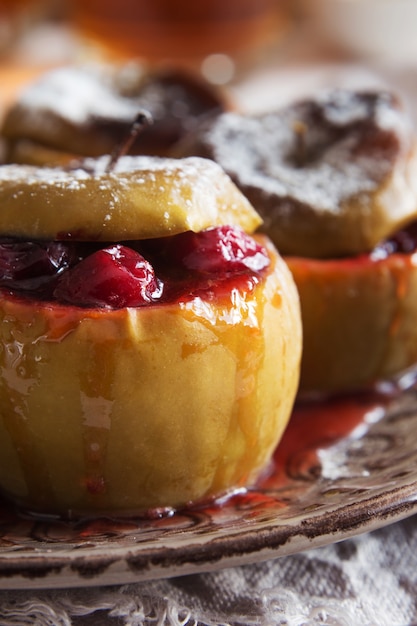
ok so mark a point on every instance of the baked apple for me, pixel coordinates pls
(85, 110)
(149, 343)
(334, 176)
(358, 316)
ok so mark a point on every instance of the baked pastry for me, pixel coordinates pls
(333, 177)
(150, 345)
(87, 110)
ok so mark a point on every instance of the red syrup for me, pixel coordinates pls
(133, 273)
(316, 425)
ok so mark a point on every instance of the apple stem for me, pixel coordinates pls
(141, 121)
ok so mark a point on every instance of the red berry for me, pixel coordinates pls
(113, 277)
(403, 241)
(218, 250)
(28, 265)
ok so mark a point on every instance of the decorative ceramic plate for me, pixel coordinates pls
(343, 467)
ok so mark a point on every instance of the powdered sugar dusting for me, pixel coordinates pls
(318, 152)
(144, 168)
(140, 197)
(89, 109)
(93, 95)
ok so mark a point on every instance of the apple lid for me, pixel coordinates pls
(140, 197)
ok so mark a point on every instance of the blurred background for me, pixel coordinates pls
(197, 35)
(224, 40)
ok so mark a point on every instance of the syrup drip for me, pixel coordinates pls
(19, 379)
(96, 403)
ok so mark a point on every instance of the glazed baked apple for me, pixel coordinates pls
(79, 111)
(335, 178)
(149, 344)
(359, 316)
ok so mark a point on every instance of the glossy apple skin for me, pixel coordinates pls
(120, 411)
(359, 320)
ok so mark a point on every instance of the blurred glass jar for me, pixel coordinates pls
(178, 31)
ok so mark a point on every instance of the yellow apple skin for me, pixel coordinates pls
(140, 198)
(120, 411)
(359, 320)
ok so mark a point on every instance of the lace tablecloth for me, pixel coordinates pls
(370, 580)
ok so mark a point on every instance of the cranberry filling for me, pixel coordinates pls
(132, 274)
(217, 251)
(116, 276)
(27, 264)
(404, 241)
